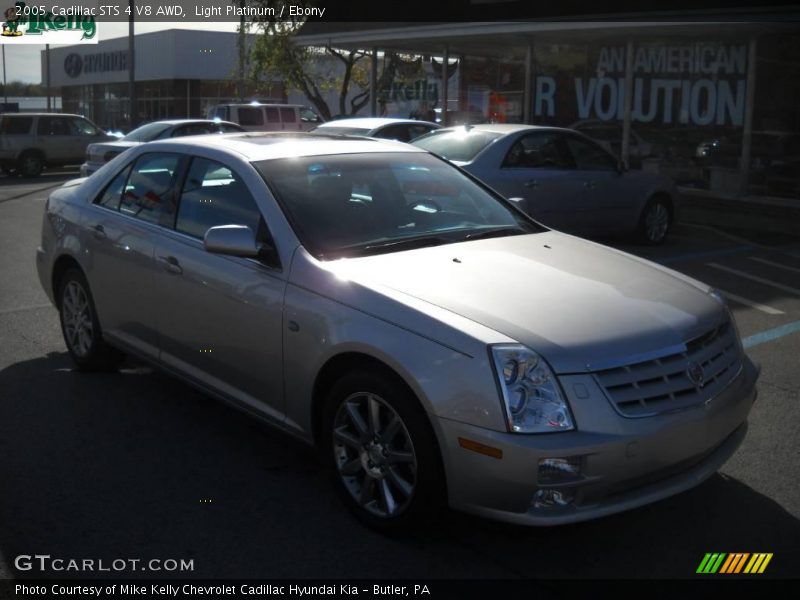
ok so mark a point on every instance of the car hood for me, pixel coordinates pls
(581, 305)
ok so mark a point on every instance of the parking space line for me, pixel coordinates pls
(774, 264)
(706, 254)
(762, 307)
(775, 284)
(771, 334)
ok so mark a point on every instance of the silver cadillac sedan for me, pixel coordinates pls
(436, 344)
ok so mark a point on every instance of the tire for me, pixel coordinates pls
(80, 326)
(655, 221)
(30, 164)
(382, 453)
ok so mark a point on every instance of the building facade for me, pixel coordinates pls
(178, 73)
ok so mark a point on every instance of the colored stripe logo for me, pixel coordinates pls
(734, 563)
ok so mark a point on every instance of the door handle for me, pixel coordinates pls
(170, 264)
(99, 232)
(588, 185)
(532, 184)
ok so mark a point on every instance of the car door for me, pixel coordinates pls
(537, 168)
(55, 138)
(220, 317)
(608, 194)
(81, 133)
(121, 226)
(290, 120)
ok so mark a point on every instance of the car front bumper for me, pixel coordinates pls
(624, 462)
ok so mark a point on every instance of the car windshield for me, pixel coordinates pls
(360, 204)
(342, 130)
(147, 133)
(462, 144)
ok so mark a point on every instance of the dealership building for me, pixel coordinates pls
(712, 104)
(730, 90)
(177, 72)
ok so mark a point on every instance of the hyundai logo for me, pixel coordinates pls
(694, 371)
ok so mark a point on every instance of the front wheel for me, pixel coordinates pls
(382, 453)
(80, 326)
(30, 164)
(655, 221)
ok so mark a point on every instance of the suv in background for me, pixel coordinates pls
(267, 117)
(31, 141)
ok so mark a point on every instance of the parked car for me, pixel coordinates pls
(402, 130)
(99, 154)
(29, 142)
(448, 351)
(255, 116)
(562, 178)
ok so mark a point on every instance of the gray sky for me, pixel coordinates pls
(24, 62)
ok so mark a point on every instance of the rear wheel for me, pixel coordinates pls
(655, 221)
(382, 453)
(30, 164)
(80, 326)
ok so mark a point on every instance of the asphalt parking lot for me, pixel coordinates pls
(137, 465)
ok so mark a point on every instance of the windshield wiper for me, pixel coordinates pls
(403, 244)
(494, 232)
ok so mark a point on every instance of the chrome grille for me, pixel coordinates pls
(664, 384)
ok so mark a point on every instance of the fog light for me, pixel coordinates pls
(559, 470)
(552, 498)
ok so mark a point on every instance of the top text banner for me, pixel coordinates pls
(68, 15)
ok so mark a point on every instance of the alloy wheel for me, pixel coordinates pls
(656, 222)
(77, 317)
(374, 454)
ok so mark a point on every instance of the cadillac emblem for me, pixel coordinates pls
(694, 371)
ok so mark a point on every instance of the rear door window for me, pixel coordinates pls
(250, 115)
(112, 195)
(149, 194)
(541, 150)
(288, 115)
(272, 115)
(54, 126)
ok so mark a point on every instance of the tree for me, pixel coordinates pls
(314, 71)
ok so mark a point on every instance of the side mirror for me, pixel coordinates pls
(233, 240)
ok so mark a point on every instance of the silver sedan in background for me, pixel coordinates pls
(100, 153)
(437, 352)
(401, 130)
(561, 177)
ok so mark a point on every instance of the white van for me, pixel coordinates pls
(267, 117)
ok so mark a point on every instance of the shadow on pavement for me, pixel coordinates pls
(138, 465)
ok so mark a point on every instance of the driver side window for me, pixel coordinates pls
(588, 156)
(541, 150)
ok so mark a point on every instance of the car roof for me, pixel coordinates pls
(370, 122)
(255, 104)
(504, 128)
(39, 114)
(257, 146)
(185, 121)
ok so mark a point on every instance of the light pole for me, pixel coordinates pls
(5, 87)
(131, 67)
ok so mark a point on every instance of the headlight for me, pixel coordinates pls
(533, 399)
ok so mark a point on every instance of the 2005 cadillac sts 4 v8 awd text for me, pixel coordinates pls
(436, 344)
